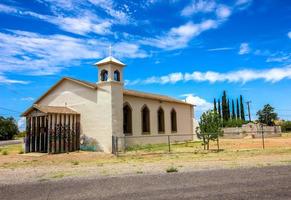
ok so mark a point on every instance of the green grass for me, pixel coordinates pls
(5, 152)
(12, 149)
(164, 146)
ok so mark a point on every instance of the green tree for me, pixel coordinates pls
(233, 110)
(214, 105)
(242, 110)
(8, 128)
(209, 127)
(228, 110)
(267, 115)
(224, 107)
(219, 108)
(237, 110)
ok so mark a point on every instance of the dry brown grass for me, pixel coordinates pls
(236, 153)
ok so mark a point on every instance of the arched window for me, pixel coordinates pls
(104, 75)
(161, 121)
(116, 75)
(145, 117)
(127, 119)
(173, 121)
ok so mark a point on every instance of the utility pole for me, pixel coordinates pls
(249, 112)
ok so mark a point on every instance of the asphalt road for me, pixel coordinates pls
(255, 183)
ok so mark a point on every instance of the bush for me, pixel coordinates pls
(171, 169)
(75, 162)
(20, 151)
(8, 128)
(4, 153)
(233, 123)
(286, 126)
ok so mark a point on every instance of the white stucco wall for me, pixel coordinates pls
(101, 112)
(184, 115)
(91, 104)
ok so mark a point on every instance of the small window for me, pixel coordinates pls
(104, 75)
(116, 75)
(161, 121)
(145, 117)
(173, 121)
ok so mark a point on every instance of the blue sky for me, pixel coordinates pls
(186, 49)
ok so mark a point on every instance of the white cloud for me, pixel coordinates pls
(179, 37)
(124, 49)
(243, 2)
(244, 49)
(38, 54)
(79, 24)
(82, 25)
(241, 76)
(199, 6)
(200, 103)
(223, 12)
(289, 34)
(27, 99)
(5, 80)
(221, 49)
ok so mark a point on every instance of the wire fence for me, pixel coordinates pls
(191, 143)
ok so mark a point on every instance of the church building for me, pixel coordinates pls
(73, 113)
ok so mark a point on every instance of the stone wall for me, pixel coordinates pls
(251, 130)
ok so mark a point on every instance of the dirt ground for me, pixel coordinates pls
(236, 153)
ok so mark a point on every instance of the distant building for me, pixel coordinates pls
(74, 112)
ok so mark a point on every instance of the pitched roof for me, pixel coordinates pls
(108, 60)
(153, 96)
(83, 83)
(50, 110)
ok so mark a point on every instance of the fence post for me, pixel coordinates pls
(263, 138)
(116, 146)
(169, 143)
(217, 141)
(124, 144)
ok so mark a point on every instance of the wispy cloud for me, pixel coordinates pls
(241, 76)
(79, 24)
(244, 49)
(27, 99)
(5, 80)
(197, 6)
(289, 34)
(221, 49)
(179, 37)
(38, 54)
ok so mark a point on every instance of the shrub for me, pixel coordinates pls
(20, 151)
(75, 162)
(4, 153)
(171, 169)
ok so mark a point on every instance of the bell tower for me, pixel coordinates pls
(110, 99)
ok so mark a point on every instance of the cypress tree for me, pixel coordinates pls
(237, 110)
(228, 110)
(242, 110)
(233, 111)
(224, 107)
(214, 106)
(219, 108)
